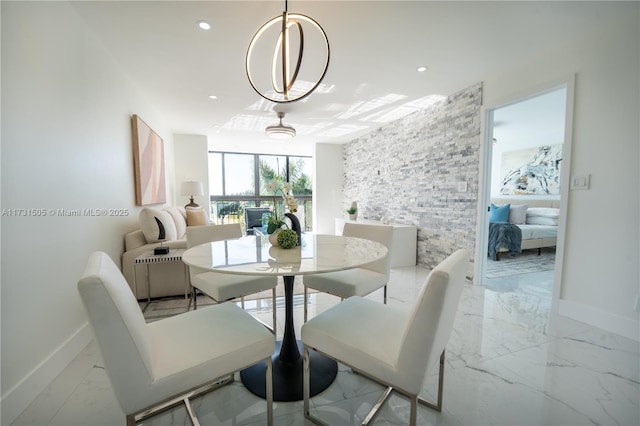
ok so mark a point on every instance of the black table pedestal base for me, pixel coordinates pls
(287, 376)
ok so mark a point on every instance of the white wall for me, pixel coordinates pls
(600, 278)
(261, 146)
(191, 163)
(66, 144)
(327, 187)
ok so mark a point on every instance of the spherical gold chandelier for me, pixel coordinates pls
(286, 79)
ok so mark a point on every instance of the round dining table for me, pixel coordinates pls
(316, 254)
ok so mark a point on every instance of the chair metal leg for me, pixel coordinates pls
(385, 294)
(242, 302)
(438, 405)
(192, 416)
(306, 392)
(195, 298)
(414, 399)
(135, 418)
(306, 294)
(305, 380)
(273, 304)
(131, 420)
(413, 415)
(377, 406)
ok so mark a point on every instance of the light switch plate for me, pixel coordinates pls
(580, 182)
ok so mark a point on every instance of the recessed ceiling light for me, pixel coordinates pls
(204, 25)
(422, 68)
(213, 97)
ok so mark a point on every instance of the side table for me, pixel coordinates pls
(147, 258)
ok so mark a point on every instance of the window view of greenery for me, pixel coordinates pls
(238, 181)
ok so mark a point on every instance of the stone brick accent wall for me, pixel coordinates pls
(413, 172)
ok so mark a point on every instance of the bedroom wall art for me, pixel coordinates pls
(534, 171)
(148, 164)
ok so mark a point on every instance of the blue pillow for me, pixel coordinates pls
(499, 213)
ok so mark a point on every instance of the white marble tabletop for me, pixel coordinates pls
(254, 255)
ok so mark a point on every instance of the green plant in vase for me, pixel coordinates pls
(275, 220)
(353, 213)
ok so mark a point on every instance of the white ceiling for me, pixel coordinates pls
(375, 50)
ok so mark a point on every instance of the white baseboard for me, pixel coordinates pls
(16, 400)
(625, 327)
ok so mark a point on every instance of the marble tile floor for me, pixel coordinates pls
(509, 362)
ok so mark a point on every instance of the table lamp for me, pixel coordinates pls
(191, 188)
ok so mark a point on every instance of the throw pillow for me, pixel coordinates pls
(150, 227)
(551, 212)
(179, 220)
(518, 213)
(540, 220)
(499, 213)
(196, 217)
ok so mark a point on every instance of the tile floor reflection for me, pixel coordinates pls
(509, 362)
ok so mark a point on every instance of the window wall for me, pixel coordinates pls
(238, 181)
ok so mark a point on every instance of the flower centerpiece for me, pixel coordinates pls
(276, 221)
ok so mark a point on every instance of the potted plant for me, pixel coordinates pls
(353, 213)
(287, 238)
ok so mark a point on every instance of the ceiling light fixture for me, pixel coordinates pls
(422, 68)
(280, 131)
(283, 78)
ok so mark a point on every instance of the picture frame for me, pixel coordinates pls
(532, 171)
(148, 164)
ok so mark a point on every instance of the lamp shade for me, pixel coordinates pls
(191, 188)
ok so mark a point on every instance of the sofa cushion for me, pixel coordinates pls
(541, 220)
(499, 213)
(518, 213)
(150, 227)
(196, 217)
(179, 219)
(550, 212)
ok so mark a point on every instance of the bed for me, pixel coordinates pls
(536, 220)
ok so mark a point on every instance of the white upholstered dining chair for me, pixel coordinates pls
(358, 281)
(155, 366)
(222, 287)
(393, 346)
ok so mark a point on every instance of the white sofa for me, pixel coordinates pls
(540, 224)
(165, 279)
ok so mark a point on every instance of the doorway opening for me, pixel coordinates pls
(527, 149)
